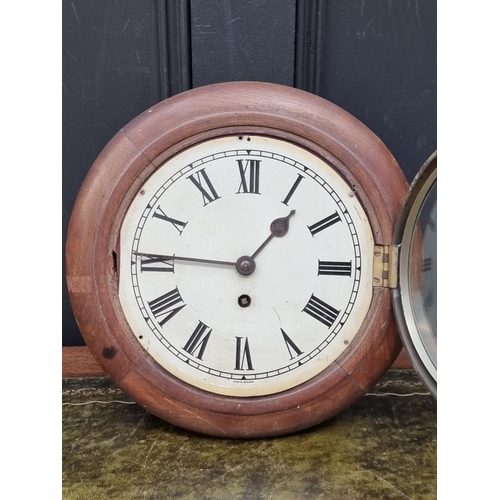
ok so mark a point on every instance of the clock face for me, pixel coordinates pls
(245, 265)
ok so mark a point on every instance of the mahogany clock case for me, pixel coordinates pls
(93, 252)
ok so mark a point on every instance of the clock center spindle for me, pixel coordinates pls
(245, 265)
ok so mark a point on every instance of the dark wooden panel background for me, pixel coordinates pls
(376, 59)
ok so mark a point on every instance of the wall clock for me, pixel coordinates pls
(230, 259)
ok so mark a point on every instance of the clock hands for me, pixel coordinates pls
(279, 227)
(244, 265)
(187, 259)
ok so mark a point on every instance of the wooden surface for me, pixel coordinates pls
(384, 446)
(78, 362)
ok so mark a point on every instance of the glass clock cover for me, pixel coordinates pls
(415, 300)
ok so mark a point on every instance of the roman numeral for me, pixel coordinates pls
(427, 264)
(290, 345)
(331, 268)
(198, 341)
(321, 311)
(429, 300)
(178, 224)
(202, 182)
(157, 264)
(293, 188)
(249, 176)
(162, 307)
(243, 355)
(324, 223)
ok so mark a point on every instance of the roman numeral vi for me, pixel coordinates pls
(243, 356)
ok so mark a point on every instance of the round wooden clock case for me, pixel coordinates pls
(220, 259)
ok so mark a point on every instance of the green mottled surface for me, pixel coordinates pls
(383, 447)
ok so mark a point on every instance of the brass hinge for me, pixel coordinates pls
(385, 266)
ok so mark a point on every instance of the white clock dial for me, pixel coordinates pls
(211, 310)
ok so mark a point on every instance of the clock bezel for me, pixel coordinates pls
(405, 235)
(244, 108)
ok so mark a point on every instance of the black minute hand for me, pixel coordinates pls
(187, 259)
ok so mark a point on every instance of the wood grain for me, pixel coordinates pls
(78, 362)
